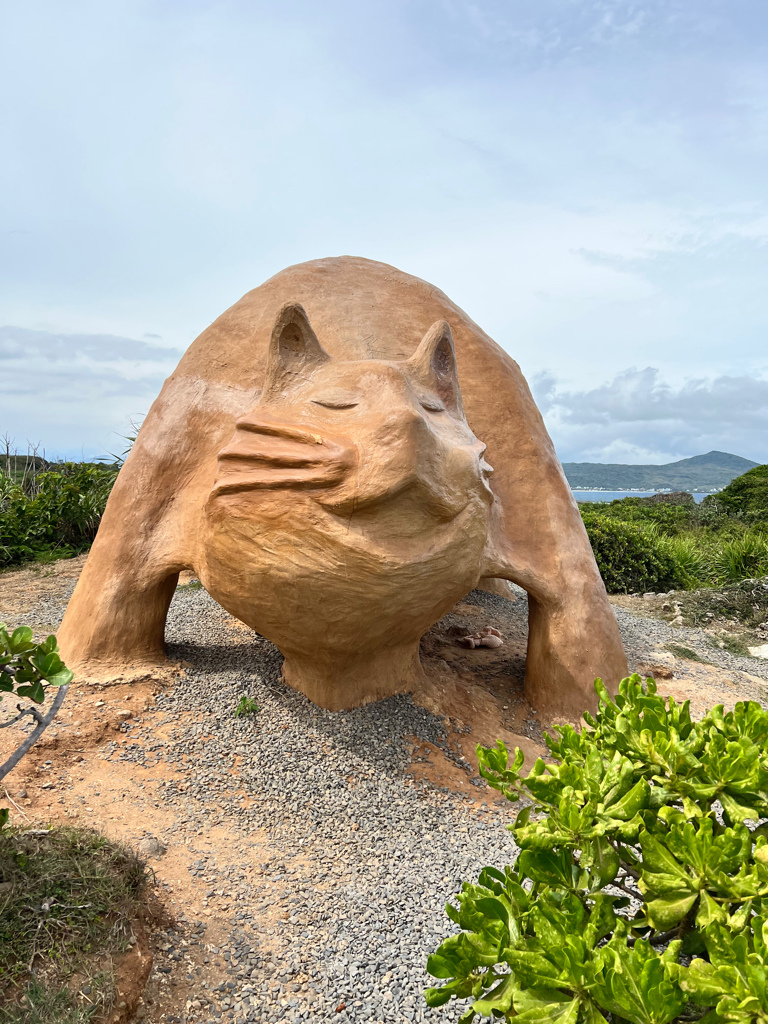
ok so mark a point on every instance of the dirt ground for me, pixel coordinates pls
(66, 778)
(22, 590)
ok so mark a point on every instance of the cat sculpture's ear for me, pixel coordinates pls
(294, 350)
(434, 362)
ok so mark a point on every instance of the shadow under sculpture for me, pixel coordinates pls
(312, 461)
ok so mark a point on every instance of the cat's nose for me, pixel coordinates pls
(485, 467)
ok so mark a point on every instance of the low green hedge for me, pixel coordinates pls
(56, 515)
(630, 556)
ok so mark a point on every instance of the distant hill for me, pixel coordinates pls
(710, 472)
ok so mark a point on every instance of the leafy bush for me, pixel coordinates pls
(642, 547)
(746, 496)
(690, 560)
(29, 669)
(630, 557)
(54, 513)
(710, 514)
(745, 557)
(669, 520)
(640, 892)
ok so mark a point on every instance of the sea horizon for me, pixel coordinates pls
(583, 494)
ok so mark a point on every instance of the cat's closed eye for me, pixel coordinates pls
(336, 399)
(432, 404)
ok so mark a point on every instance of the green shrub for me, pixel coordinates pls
(642, 547)
(710, 514)
(640, 892)
(631, 557)
(689, 558)
(742, 558)
(667, 519)
(56, 514)
(746, 496)
(29, 670)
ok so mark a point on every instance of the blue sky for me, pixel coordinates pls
(587, 179)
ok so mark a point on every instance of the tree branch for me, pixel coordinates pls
(632, 872)
(22, 712)
(629, 870)
(43, 721)
(660, 938)
(622, 884)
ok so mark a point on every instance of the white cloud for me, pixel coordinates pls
(72, 393)
(585, 177)
(637, 417)
(20, 344)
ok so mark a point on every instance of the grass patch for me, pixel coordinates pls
(43, 1005)
(734, 645)
(67, 896)
(686, 652)
(745, 603)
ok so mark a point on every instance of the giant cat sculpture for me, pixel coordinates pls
(311, 460)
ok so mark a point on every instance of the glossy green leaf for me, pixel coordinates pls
(34, 691)
(540, 1006)
(629, 801)
(498, 999)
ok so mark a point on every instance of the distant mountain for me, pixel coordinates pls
(710, 472)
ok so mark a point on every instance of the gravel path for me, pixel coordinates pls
(342, 913)
(643, 635)
(371, 857)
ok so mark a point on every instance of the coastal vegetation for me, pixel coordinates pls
(639, 890)
(640, 893)
(50, 511)
(642, 545)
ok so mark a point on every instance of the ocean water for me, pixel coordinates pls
(614, 495)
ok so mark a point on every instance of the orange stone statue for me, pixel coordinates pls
(341, 457)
